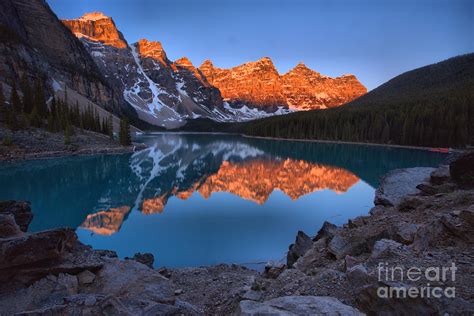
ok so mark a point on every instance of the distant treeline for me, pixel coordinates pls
(32, 110)
(431, 106)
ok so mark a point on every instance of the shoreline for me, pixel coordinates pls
(62, 154)
(451, 150)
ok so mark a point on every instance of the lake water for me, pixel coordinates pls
(193, 199)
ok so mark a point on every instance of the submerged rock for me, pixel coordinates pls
(399, 183)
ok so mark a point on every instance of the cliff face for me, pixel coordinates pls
(306, 89)
(99, 27)
(163, 92)
(35, 43)
(254, 83)
(259, 84)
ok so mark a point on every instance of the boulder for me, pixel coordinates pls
(406, 233)
(302, 244)
(297, 305)
(273, 271)
(440, 175)
(409, 203)
(397, 184)
(462, 169)
(460, 224)
(29, 249)
(358, 276)
(327, 231)
(86, 277)
(8, 226)
(146, 258)
(385, 248)
(20, 210)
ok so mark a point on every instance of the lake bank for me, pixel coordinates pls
(417, 224)
(347, 143)
(35, 143)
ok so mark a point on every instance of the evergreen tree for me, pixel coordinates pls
(124, 133)
(15, 101)
(35, 119)
(40, 100)
(110, 127)
(67, 134)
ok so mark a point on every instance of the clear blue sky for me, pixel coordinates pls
(375, 40)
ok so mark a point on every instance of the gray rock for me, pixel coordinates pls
(21, 210)
(29, 249)
(297, 305)
(8, 226)
(86, 277)
(385, 247)
(409, 203)
(145, 258)
(399, 183)
(273, 271)
(252, 295)
(340, 246)
(327, 231)
(68, 282)
(358, 276)
(302, 244)
(406, 233)
(440, 175)
(350, 262)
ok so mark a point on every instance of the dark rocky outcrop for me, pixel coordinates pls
(36, 44)
(462, 169)
(20, 210)
(302, 244)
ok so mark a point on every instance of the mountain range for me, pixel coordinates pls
(168, 93)
(89, 55)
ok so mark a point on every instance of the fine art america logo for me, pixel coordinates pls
(429, 281)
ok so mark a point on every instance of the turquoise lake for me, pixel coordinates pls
(195, 199)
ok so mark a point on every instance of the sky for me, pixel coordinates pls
(372, 39)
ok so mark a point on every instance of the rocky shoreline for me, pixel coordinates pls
(423, 218)
(35, 143)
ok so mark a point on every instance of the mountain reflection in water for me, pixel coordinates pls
(228, 198)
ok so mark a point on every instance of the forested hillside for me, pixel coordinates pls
(428, 106)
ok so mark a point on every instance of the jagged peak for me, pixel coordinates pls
(348, 76)
(146, 42)
(265, 59)
(207, 63)
(152, 49)
(93, 16)
(184, 61)
(302, 68)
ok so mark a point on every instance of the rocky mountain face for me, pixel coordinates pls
(168, 93)
(35, 44)
(254, 83)
(306, 89)
(140, 81)
(163, 92)
(258, 84)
